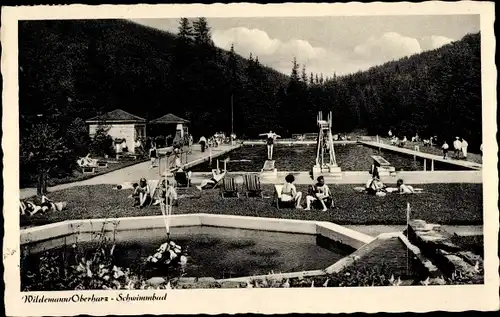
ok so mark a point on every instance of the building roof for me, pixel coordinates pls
(117, 115)
(169, 119)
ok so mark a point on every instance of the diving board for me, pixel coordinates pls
(380, 161)
(383, 166)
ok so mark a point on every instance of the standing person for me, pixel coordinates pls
(445, 148)
(271, 136)
(153, 155)
(464, 148)
(190, 144)
(457, 146)
(203, 143)
(389, 133)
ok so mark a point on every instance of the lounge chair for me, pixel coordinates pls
(228, 186)
(277, 198)
(252, 183)
(182, 180)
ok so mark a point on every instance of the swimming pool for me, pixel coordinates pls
(350, 157)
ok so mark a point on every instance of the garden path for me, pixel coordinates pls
(132, 173)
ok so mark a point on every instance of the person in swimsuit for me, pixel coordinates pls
(320, 192)
(153, 155)
(403, 188)
(271, 136)
(142, 193)
(290, 193)
(217, 175)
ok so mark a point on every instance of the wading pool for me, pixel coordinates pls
(212, 251)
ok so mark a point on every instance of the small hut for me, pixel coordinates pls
(170, 124)
(122, 126)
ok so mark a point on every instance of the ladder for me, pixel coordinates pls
(325, 141)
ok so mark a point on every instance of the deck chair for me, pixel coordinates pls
(252, 183)
(277, 198)
(154, 190)
(182, 180)
(228, 187)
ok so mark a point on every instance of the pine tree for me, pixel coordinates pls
(202, 34)
(304, 74)
(294, 76)
(311, 79)
(321, 79)
(317, 79)
(232, 63)
(185, 30)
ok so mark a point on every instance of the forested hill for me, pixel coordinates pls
(433, 93)
(77, 69)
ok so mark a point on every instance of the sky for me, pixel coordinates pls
(336, 44)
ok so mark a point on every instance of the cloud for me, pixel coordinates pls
(433, 42)
(389, 46)
(279, 54)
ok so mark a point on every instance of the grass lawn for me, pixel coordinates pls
(79, 176)
(452, 204)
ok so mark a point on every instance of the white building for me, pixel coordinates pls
(121, 125)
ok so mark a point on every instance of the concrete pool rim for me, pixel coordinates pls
(358, 241)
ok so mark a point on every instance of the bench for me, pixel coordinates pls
(102, 164)
(366, 138)
(310, 136)
(88, 169)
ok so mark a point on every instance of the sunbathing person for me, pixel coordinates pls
(31, 208)
(321, 192)
(403, 188)
(290, 193)
(375, 187)
(217, 175)
(142, 194)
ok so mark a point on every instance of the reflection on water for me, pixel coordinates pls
(223, 253)
(350, 157)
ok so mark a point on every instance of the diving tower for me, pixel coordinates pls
(326, 163)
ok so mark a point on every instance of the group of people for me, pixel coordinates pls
(317, 192)
(144, 195)
(459, 148)
(216, 140)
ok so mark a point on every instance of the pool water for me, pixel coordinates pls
(225, 253)
(301, 158)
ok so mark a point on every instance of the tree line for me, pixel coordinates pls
(70, 71)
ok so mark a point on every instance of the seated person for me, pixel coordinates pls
(374, 186)
(217, 175)
(142, 194)
(403, 188)
(321, 192)
(168, 194)
(289, 193)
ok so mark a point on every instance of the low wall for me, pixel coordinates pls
(335, 232)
